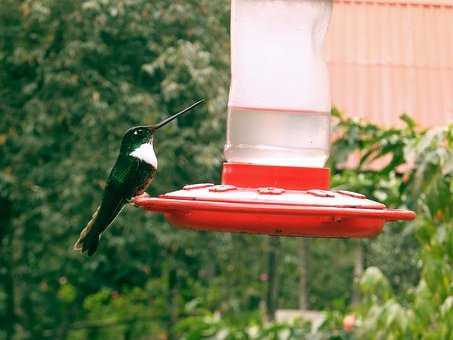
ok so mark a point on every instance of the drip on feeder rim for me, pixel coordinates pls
(279, 104)
(278, 136)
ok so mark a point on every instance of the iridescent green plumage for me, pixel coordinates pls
(132, 173)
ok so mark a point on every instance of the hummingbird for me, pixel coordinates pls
(131, 175)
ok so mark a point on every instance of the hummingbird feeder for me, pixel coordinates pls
(278, 136)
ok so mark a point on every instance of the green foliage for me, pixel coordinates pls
(426, 311)
(381, 171)
(75, 76)
(403, 167)
(212, 326)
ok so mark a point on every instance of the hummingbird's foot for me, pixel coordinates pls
(143, 195)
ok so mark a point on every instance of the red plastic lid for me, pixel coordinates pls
(273, 210)
(286, 177)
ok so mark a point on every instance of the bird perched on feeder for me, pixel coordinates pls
(132, 173)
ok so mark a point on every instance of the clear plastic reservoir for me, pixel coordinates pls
(278, 137)
(279, 105)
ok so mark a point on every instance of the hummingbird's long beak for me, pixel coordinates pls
(176, 115)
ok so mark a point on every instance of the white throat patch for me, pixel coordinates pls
(145, 152)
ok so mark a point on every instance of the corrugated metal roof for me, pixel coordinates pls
(390, 57)
(403, 2)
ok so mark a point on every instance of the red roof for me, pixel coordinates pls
(390, 57)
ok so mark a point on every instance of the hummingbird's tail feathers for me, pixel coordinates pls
(90, 244)
(102, 218)
(89, 238)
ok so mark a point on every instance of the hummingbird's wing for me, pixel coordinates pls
(121, 186)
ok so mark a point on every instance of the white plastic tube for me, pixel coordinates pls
(279, 105)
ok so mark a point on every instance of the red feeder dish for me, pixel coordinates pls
(278, 136)
(293, 206)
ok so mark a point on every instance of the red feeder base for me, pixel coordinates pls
(273, 200)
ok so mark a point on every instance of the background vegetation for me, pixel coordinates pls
(74, 75)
